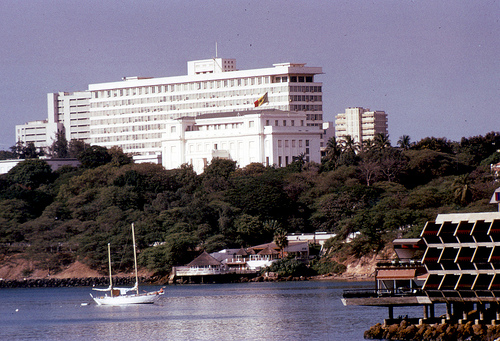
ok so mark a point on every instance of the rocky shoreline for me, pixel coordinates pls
(69, 282)
(439, 331)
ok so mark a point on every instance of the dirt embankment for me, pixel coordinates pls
(360, 268)
(16, 267)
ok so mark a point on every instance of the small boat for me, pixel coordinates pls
(125, 296)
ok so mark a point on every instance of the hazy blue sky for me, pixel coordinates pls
(433, 66)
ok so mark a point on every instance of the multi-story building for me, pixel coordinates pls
(40, 133)
(71, 109)
(133, 113)
(269, 136)
(361, 124)
(68, 112)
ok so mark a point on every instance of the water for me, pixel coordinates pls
(246, 311)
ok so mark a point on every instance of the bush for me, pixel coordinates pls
(328, 266)
(289, 267)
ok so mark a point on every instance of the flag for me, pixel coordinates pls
(261, 100)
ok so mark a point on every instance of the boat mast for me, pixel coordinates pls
(110, 276)
(135, 261)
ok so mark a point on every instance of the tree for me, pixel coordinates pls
(59, 148)
(281, 239)
(75, 147)
(462, 190)
(30, 151)
(381, 141)
(404, 142)
(94, 156)
(332, 153)
(31, 173)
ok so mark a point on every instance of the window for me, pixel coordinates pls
(284, 123)
(279, 144)
(251, 124)
(300, 143)
(276, 123)
(215, 146)
(293, 123)
(267, 122)
(307, 150)
(172, 129)
(307, 143)
(286, 160)
(286, 143)
(293, 143)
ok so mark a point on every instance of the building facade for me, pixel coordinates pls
(133, 113)
(361, 124)
(269, 136)
(68, 112)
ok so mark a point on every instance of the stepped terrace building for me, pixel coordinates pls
(462, 270)
(269, 136)
(133, 112)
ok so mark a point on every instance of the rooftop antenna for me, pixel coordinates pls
(216, 54)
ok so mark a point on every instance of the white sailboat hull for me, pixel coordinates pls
(149, 298)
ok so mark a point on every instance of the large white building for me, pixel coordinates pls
(269, 136)
(68, 112)
(361, 124)
(133, 113)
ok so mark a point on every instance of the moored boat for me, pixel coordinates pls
(125, 296)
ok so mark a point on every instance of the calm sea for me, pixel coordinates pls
(247, 311)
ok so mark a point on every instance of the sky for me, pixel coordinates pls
(432, 66)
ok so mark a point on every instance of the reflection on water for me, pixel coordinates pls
(247, 311)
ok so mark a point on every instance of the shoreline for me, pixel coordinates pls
(54, 282)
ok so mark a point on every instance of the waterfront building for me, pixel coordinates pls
(269, 136)
(361, 124)
(132, 113)
(461, 266)
(68, 112)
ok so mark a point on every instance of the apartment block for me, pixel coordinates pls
(361, 124)
(67, 112)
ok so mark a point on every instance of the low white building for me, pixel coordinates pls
(55, 164)
(269, 136)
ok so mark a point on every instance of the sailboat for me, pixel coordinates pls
(124, 296)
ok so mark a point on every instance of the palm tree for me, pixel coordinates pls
(381, 141)
(349, 145)
(281, 239)
(404, 142)
(461, 189)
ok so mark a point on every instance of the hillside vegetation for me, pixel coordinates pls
(380, 191)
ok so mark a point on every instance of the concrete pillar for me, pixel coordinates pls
(391, 312)
(448, 310)
(432, 310)
(426, 308)
(480, 308)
